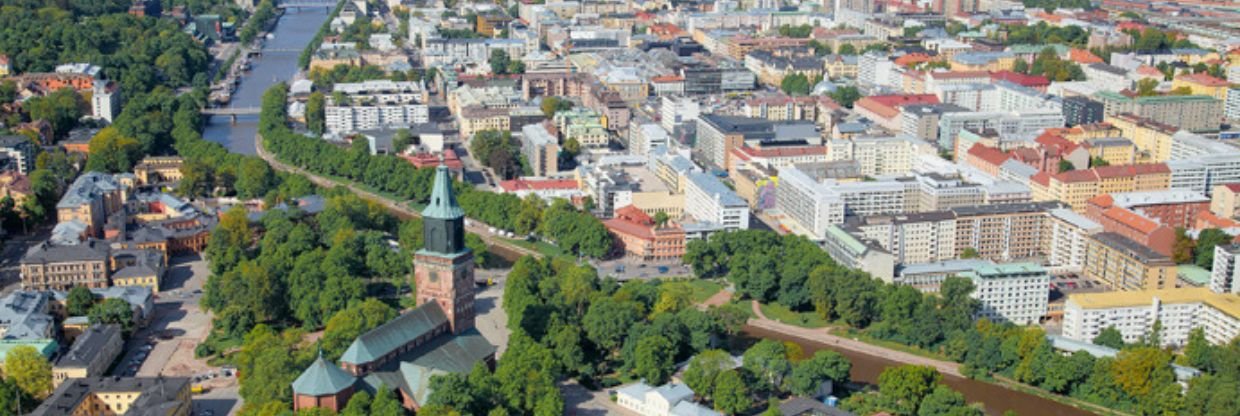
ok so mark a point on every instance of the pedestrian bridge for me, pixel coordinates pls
(230, 111)
(305, 4)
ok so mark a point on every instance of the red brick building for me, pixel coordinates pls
(641, 238)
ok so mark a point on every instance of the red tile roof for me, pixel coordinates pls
(889, 105)
(959, 74)
(1131, 219)
(1203, 79)
(988, 154)
(1234, 187)
(1031, 81)
(1084, 57)
(912, 59)
(537, 184)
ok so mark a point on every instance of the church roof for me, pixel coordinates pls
(321, 379)
(448, 354)
(443, 200)
(395, 333)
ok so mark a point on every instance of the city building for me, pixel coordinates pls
(1189, 112)
(644, 239)
(855, 253)
(672, 399)
(1135, 314)
(1076, 187)
(1123, 264)
(60, 267)
(718, 135)
(1011, 292)
(1224, 275)
(808, 202)
(120, 395)
(26, 320)
(1225, 201)
(541, 149)
(645, 137)
(708, 200)
(91, 355)
(1069, 236)
(18, 152)
(436, 337)
(1003, 232)
(90, 200)
(158, 169)
(105, 101)
(1021, 122)
(375, 104)
(877, 156)
(1078, 110)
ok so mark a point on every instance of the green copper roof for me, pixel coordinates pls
(393, 334)
(443, 201)
(321, 379)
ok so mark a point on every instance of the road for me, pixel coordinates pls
(400, 207)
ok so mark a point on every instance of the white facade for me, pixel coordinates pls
(808, 202)
(863, 199)
(1006, 123)
(646, 136)
(1200, 174)
(917, 238)
(104, 103)
(672, 399)
(1069, 234)
(880, 155)
(874, 69)
(1225, 276)
(341, 119)
(677, 111)
(708, 200)
(1179, 311)
(1014, 292)
(1231, 108)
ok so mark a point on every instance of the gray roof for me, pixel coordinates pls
(715, 188)
(688, 408)
(156, 395)
(23, 315)
(86, 188)
(393, 334)
(445, 354)
(798, 406)
(50, 253)
(89, 345)
(321, 379)
(443, 200)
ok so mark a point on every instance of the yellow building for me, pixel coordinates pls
(476, 119)
(1123, 264)
(1115, 151)
(1202, 84)
(653, 202)
(1225, 200)
(109, 396)
(91, 354)
(1075, 187)
(156, 169)
(1149, 136)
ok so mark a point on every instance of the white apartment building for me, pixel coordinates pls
(888, 197)
(1015, 97)
(1231, 107)
(1189, 145)
(1225, 276)
(644, 137)
(895, 155)
(1068, 238)
(809, 203)
(937, 192)
(1005, 123)
(678, 111)
(1134, 314)
(445, 52)
(708, 200)
(913, 238)
(1011, 292)
(105, 101)
(375, 104)
(1200, 174)
(975, 97)
(875, 69)
(1107, 77)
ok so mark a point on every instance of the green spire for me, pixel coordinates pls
(443, 201)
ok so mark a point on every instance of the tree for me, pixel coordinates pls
(386, 403)
(1020, 66)
(112, 152)
(402, 139)
(254, 178)
(768, 362)
(62, 108)
(552, 105)
(824, 366)
(1110, 337)
(943, 401)
(654, 359)
(704, 369)
(731, 395)
(1098, 161)
(660, 218)
(847, 49)
(315, 113)
(351, 322)
(1065, 165)
(112, 311)
(969, 253)
(79, 301)
(29, 370)
(1182, 250)
(903, 388)
(1207, 239)
(1147, 87)
(795, 84)
(499, 61)
(845, 95)
(607, 321)
(359, 405)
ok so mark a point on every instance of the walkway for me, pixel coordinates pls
(821, 335)
(400, 207)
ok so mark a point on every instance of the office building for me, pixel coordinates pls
(808, 202)
(91, 355)
(1078, 110)
(644, 137)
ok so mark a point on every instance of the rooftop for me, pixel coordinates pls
(1132, 248)
(156, 395)
(1227, 303)
(88, 346)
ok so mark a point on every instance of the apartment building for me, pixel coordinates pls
(120, 395)
(1069, 237)
(57, 267)
(583, 125)
(1078, 110)
(1075, 187)
(1149, 136)
(808, 202)
(1107, 77)
(877, 156)
(910, 238)
(1202, 173)
(708, 200)
(91, 355)
(718, 135)
(1011, 292)
(1023, 122)
(375, 104)
(1225, 202)
(885, 197)
(90, 200)
(1134, 314)
(855, 253)
(641, 238)
(1123, 264)
(1003, 232)
(1225, 276)
(644, 137)
(922, 121)
(1189, 112)
(1172, 207)
(541, 149)
(19, 151)
(939, 192)
(1202, 84)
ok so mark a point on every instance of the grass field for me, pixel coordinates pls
(802, 319)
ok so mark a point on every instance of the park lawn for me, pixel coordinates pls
(701, 289)
(782, 314)
(547, 249)
(845, 331)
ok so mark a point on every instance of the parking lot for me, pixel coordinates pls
(1075, 283)
(627, 268)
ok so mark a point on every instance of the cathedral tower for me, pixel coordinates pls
(444, 268)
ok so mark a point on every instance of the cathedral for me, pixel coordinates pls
(436, 337)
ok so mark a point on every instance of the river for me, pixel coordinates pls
(294, 31)
(997, 399)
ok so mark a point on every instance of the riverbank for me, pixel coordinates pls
(997, 395)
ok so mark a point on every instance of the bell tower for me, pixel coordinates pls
(444, 269)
